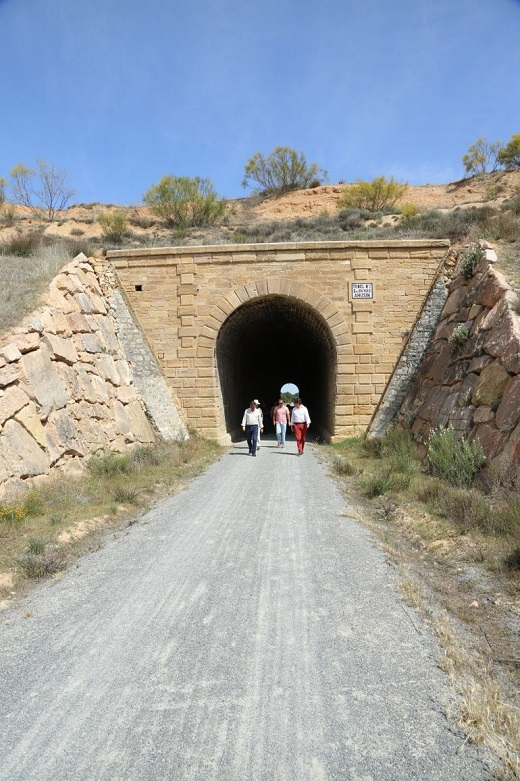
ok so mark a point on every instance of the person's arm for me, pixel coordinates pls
(244, 421)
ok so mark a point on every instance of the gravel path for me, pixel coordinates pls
(245, 630)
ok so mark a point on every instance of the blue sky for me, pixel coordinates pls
(121, 92)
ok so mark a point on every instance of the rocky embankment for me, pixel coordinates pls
(66, 388)
(470, 376)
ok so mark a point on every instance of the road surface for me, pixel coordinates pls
(245, 630)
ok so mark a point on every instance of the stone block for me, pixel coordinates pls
(60, 349)
(62, 436)
(22, 455)
(12, 400)
(28, 417)
(508, 412)
(41, 381)
(491, 384)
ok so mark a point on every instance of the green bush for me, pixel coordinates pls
(110, 464)
(21, 246)
(509, 156)
(375, 196)
(466, 508)
(185, 203)
(114, 226)
(455, 460)
(469, 260)
(459, 335)
(283, 170)
(482, 156)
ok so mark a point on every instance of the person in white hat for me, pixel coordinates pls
(252, 422)
(261, 427)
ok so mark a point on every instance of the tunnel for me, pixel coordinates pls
(268, 342)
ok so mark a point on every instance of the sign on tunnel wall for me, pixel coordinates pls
(334, 314)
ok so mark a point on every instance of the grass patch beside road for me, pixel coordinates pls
(457, 551)
(53, 524)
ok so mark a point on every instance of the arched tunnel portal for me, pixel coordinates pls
(267, 342)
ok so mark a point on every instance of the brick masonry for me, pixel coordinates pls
(182, 296)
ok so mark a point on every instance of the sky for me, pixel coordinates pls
(119, 93)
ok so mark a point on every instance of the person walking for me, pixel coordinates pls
(300, 422)
(259, 408)
(281, 419)
(252, 423)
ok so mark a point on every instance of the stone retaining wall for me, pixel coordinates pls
(66, 387)
(474, 385)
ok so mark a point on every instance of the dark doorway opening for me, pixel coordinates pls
(267, 340)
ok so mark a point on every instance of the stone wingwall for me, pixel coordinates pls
(66, 388)
(470, 377)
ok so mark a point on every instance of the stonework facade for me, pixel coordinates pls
(66, 388)
(470, 377)
(365, 296)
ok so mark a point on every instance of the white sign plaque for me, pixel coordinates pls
(362, 290)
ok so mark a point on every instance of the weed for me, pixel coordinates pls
(36, 546)
(459, 335)
(466, 508)
(123, 495)
(455, 460)
(114, 226)
(469, 260)
(11, 514)
(110, 464)
(343, 467)
(36, 566)
(513, 560)
(21, 246)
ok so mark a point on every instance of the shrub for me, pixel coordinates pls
(455, 460)
(513, 560)
(459, 335)
(469, 260)
(8, 215)
(343, 467)
(22, 246)
(466, 508)
(40, 565)
(408, 210)
(283, 170)
(509, 156)
(375, 195)
(482, 156)
(114, 226)
(183, 202)
(12, 513)
(110, 464)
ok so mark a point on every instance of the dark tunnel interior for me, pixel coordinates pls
(270, 341)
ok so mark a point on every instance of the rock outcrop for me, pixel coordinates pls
(66, 388)
(470, 377)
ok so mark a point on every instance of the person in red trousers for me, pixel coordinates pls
(300, 422)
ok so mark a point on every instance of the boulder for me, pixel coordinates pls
(11, 402)
(62, 436)
(28, 417)
(508, 412)
(504, 342)
(22, 455)
(491, 385)
(60, 349)
(40, 380)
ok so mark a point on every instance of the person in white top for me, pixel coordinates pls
(261, 423)
(252, 423)
(300, 422)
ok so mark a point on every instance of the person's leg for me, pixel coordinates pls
(249, 436)
(298, 435)
(254, 439)
(283, 428)
(279, 433)
(303, 436)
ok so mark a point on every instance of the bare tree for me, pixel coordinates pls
(44, 191)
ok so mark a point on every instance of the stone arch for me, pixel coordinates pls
(296, 307)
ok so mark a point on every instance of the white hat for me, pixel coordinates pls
(256, 401)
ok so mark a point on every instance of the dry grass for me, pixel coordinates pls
(453, 569)
(49, 526)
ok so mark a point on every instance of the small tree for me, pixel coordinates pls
(3, 185)
(114, 226)
(42, 191)
(482, 156)
(374, 196)
(509, 156)
(283, 170)
(184, 202)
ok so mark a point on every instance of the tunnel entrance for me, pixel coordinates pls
(267, 340)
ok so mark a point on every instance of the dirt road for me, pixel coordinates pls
(245, 630)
